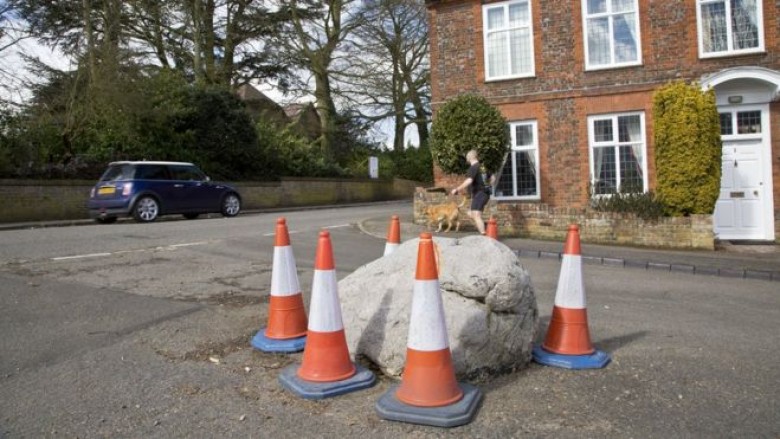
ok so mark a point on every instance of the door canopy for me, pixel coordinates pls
(744, 85)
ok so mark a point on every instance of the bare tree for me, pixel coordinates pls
(316, 39)
(393, 77)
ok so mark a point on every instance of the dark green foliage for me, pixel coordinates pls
(217, 133)
(414, 164)
(644, 205)
(687, 148)
(468, 122)
(291, 155)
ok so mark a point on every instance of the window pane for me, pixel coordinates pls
(726, 127)
(151, 172)
(602, 130)
(629, 129)
(714, 32)
(630, 170)
(497, 48)
(505, 186)
(744, 16)
(625, 38)
(597, 6)
(598, 41)
(622, 5)
(604, 171)
(521, 51)
(526, 173)
(524, 135)
(187, 173)
(495, 18)
(748, 122)
(518, 14)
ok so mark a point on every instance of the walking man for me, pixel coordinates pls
(479, 188)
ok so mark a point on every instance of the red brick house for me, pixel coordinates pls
(575, 79)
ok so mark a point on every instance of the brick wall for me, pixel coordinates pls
(540, 221)
(562, 93)
(33, 200)
(668, 40)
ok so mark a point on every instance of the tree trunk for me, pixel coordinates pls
(197, 38)
(326, 109)
(420, 117)
(89, 33)
(398, 108)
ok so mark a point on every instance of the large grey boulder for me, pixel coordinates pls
(489, 305)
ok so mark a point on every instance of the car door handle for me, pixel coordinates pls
(178, 185)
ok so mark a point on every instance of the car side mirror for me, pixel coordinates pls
(207, 179)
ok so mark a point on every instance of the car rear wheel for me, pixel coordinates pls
(191, 215)
(146, 209)
(231, 205)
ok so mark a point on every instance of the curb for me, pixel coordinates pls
(706, 270)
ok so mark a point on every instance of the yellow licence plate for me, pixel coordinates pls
(107, 190)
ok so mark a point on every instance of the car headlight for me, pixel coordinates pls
(126, 189)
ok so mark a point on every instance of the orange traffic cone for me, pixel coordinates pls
(429, 393)
(492, 229)
(286, 330)
(393, 235)
(326, 369)
(567, 343)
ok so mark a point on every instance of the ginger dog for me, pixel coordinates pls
(444, 212)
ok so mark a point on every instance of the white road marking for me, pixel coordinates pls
(337, 227)
(189, 244)
(289, 232)
(97, 255)
(90, 255)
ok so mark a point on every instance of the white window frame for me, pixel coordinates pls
(485, 32)
(512, 156)
(729, 31)
(610, 15)
(733, 115)
(616, 144)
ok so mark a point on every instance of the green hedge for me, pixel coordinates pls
(468, 122)
(687, 148)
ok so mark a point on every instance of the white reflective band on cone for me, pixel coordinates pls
(325, 309)
(427, 328)
(389, 248)
(571, 292)
(284, 274)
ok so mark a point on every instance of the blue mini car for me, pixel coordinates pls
(146, 190)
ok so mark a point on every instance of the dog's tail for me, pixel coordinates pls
(463, 203)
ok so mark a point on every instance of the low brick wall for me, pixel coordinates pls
(538, 221)
(44, 200)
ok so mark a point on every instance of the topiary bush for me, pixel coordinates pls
(687, 148)
(468, 122)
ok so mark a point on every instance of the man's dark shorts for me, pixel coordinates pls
(479, 201)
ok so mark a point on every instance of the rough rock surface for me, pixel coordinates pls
(488, 297)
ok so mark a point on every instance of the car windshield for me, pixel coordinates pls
(118, 172)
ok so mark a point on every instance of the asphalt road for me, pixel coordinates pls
(141, 330)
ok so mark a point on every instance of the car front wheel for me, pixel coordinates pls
(231, 205)
(146, 209)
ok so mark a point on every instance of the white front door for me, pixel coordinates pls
(745, 209)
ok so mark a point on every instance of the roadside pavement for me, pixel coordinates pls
(748, 261)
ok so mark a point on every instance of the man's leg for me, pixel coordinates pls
(476, 215)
